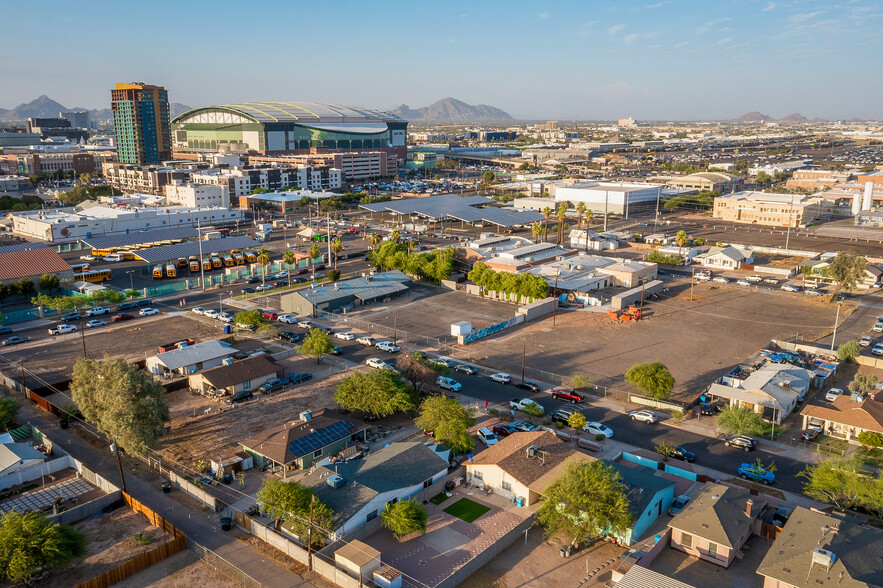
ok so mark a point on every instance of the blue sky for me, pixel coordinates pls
(689, 59)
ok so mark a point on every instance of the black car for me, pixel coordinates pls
(811, 434)
(705, 409)
(562, 415)
(523, 426)
(503, 430)
(145, 302)
(282, 283)
(270, 386)
(336, 350)
(253, 280)
(529, 386)
(289, 336)
(741, 442)
(248, 290)
(465, 368)
(71, 316)
(5, 330)
(241, 397)
(298, 378)
(681, 453)
(125, 306)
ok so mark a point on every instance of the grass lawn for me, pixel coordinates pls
(467, 510)
(832, 446)
(439, 498)
(871, 457)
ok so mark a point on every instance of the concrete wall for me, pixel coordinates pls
(620, 301)
(537, 309)
(636, 399)
(36, 471)
(194, 491)
(83, 511)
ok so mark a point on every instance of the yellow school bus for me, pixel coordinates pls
(207, 264)
(171, 272)
(94, 276)
(217, 263)
(237, 255)
(194, 264)
(128, 255)
(157, 271)
(80, 268)
(182, 262)
(251, 257)
(228, 261)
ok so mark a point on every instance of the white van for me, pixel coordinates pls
(487, 436)
(114, 257)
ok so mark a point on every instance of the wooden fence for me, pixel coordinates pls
(132, 566)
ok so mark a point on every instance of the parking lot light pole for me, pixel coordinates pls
(523, 348)
(555, 301)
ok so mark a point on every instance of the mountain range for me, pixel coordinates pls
(46, 107)
(794, 117)
(451, 110)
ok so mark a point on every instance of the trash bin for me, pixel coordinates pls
(519, 501)
(566, 550)
(166, 487)
(226, 523)
(562, 552)
(228, 329)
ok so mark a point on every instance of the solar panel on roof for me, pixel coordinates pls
(137, 238)
(167, 252)
(321, 438)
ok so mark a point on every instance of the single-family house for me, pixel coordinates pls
(823, 549)
(716, 523)
(358, 490)
(649, 495)
(236, 376)
(846, 418)
(189, 359)
(726, 258)
(522, 465)
(772, 391)
(18, 456)
(638, 576)
(299, 444)
(818, 270)
(596, 241)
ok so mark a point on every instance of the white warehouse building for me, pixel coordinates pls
(612, 197)
(197, 195)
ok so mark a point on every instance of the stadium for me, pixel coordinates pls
(288, 127)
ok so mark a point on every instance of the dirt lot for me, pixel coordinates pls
(697, 340)
(111, 541)
(182, 570)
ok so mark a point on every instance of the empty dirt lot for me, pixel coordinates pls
(697, 340)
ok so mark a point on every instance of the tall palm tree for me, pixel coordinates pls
(336, 249)
(374, 240)
(314, 253)
(547, 212)
(395, 236)
(537, 230)
(580, 211)
(561, 214)
(681, 239)
(288, 258)
(263, 257)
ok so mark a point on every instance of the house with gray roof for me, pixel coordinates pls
(189, 359)
(348, 294)
(18, 456)
(727, 258)
(825, 550)
(772, 390)
(358, 491)
(649, 495)
(716, 523)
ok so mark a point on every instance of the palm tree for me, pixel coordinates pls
(589, 216)
(288, 258)
(374, 239)
(263, 258)
(336, 249)
(681, 239)
(537, 230)
(314, 253)
(561, 214)
(547, 212)
(580, 211)
(395, 236)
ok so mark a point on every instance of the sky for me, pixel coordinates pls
(592, 60)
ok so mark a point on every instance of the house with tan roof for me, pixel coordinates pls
(716, 523)
(845, 418)
(236, 376)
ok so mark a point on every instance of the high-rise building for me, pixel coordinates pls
(141, 120)
(78, 118)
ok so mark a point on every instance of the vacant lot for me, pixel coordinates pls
(697, 340)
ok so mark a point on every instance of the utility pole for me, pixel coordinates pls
(24, 387)
(395, 328)
(310, 536)
(116, 449)
(692, 281)
(643, 282)
(555, 296)
(201, 262)
(523, 349)
(836, 320)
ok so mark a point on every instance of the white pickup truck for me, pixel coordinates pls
(522, 403)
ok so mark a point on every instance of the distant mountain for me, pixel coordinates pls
(451, 110)
(794, 117)
(45, 107)
(754, 117)
(819, 120)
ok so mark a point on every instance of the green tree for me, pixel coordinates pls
(49, 282)
(488, 176)
(740, 420)
(334, 275)
(267, 331)
(280, 499)
(125, 403)
(418, 372)
(546, 212)
(651, 379)
(250, 318)
(581, 383)
(85, 178)
(587, 500)
(336, 249)
(9, 408)
(847, 269)
(314, 253)
(845, 484)
(862, 383)
(31, 542)
(448, 420)
(24, 287)
(577, 420)
(404, 517)
(262, 256)
(664, 449)
(379, 393)
(288, 258)
(871, 439)
(681, 239)
(536, 229)
(561, 215)
(763, 178)
(317, 343)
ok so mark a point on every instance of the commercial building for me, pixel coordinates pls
(816, 179)
(79, 119)
(9, 139)
(143, 179)
(468, 209)
(611, 197)
(197, 195)
(14, 183)
(241, 180)
(346, 295)
(290, 127)
(702, 182)
(361, 165)
(31, 260)
(141, 121)
(50, 162)
(490, 136)
(781, 167)
(875, 176)
(40, 125)
(775, 210)
(280, 202)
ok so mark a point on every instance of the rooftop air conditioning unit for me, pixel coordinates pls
(579, 267)
(533, 451)
(823, 557)
(306, 415)
(335, 481)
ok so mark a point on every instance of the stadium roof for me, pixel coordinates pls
(168, 252)
(457, 207)
(140, 238)
(295, 112)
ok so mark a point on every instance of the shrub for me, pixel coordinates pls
(334, 275)
(656, 257)
(870, 439)
(599, 437)
(677, 415)
(559, 425)
(532, 410)
(143, 538)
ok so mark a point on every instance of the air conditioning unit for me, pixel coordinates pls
(533, 451)
(823, 557)
(306, 415)
(335, 481)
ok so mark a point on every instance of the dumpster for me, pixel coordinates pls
(228, 329)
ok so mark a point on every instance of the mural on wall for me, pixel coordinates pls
(487, 331)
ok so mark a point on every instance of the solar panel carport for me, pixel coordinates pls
(463, 208)
(139, 238)
(185, 250)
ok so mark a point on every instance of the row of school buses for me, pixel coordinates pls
(209, 263)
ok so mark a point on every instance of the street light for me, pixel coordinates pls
(554, 295)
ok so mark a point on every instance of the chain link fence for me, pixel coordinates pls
(218, 563)
(440, 343)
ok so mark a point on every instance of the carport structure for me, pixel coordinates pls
(211, 247)
(470, 209)
(137, 239)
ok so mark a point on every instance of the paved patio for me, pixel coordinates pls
(72, 489)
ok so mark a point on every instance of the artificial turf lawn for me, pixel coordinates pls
(439, 498)
(467, 510)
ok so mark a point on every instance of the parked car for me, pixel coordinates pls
(211, 313)
(501, 378)
(305, 324)
(300, 378)
(811, 434)
(645, 416)
(377, 363)
(865, 341)
(367, 341)
(446, 383)
(346, 336)
(790, 288)
(62, 329)
(741, 442)
(270, 386)
(270, 315)
(562, 415)
(288, 319)
(95, 323)
(388, 346)
(523, 427)
(225, 317)
(15, 340)
(567, 394)
(123, 316)
(679, 452)
(197, 310)
(878, 328)
(289, 336)
(754, 279)
(596, 428)
(743, 283)
(813, 292)
(71, 316)
(248, 290)
(253, 280)
(678, 505)
(706, 409)
(148, 311)
(503, 430)
(465, 368)
(142, 303)
(703, 278)
(833, 393)
(246, 327)
(335, 350)
(748, 471)
(240, 397)
(98, 310)
(5, 330)
(772, 281)
(87, 257)
(487, 437)
(877, 349)
(522, 403)
(720, 280)
(529, 386)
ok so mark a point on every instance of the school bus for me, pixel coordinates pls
(94, 276)
(206, 264)
(157, 271)
(128, 255)
(250, 256)
(194, 264)
(171, 272)
(237, 255)
(217, 263)
(101, 252)
(228, 261)
(79, 268)
(182, 262)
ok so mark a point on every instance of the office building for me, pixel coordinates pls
(775, 210)
(146, 179)
(702, 182)
(38, 164)
(241, 180)
(38, 125)
(197, 195)
(79, 119)
(361, 165)
(141, 121)
(619, 198)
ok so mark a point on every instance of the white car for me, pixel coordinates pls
(448, 384)
(866, 341)
(97, 310)
(833, 393)
(703, 278)
(197, 310)
(95, 323)
(388, 346)
(87, 257)
(501, 378)
(877, 349)
(773, 281)
(287, 318)
(487, 437)
(211, 313)
(755, 279)
(305, 324)
(62, 329)
(790, 288)
(743, 283)
(367, 341)
(878, 328)
(598, 429)
(148, 311)
(645, 416)
(720, 280)
(521, 404)
(225, 317)
(345, 335)
(377, 363)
